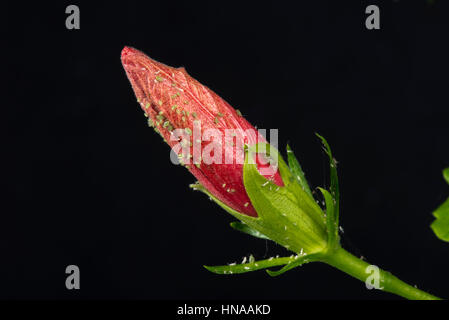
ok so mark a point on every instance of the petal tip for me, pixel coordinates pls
(126, 51)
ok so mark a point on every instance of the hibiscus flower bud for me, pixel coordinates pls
(205, 133)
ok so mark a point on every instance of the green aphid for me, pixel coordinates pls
(216, 120)
(160, 102)
(150, 122)
(185, 143)
(194, 115)
(220, 114)
(238, 112)
(159, 79)
(188, 131)
(174, 107)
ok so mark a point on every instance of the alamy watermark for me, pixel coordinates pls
(73, 279)
(224, 146)
(374, 279)
(73, 19)
(372, 22)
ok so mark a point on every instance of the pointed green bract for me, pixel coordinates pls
(242, 227)
(250, 266)
(441, 224)
(297, 171)
(331, 225)
(299, 261)
(333, 218)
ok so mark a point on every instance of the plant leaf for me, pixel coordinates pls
(333, 219)
(297, 171)
(299, 261)
(252, 266)
(441, 224)
(446, 175)
(243, 227)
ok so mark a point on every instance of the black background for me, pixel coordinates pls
(86, 182)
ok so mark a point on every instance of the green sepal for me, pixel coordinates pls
(240, 226)
(299, 261)
(251, 266)
(287, 214)
(332, 218)
(441, 224)
(243, 227)
(297, 171)
(331, 226)
(242, 217)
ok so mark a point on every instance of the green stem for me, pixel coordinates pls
(350, 264)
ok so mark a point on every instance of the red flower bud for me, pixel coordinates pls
(171, 100)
